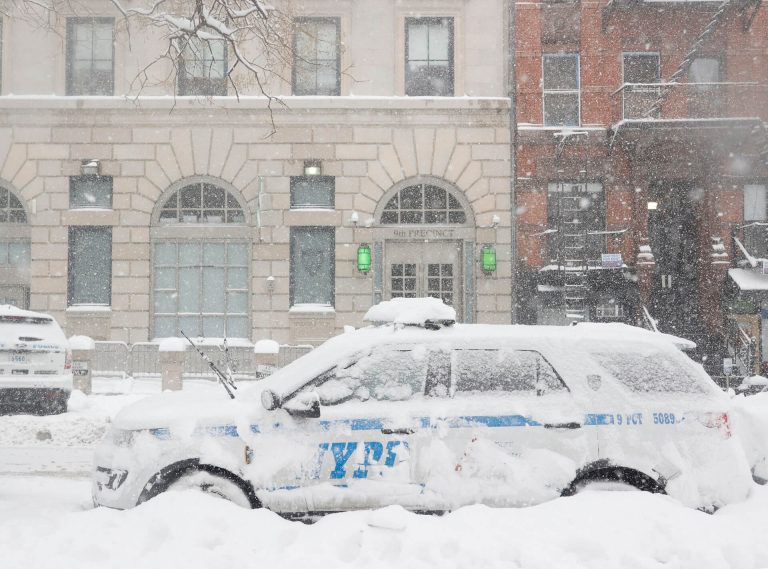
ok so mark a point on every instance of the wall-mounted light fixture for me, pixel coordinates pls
(89, 167)
(270, 284)
(364, 258)
(488, 258)
(313, 168)
(354, 219)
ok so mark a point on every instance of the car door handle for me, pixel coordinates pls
(404, 431)
(572, 425)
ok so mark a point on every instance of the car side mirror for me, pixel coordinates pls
(304, 405)
(270, 400)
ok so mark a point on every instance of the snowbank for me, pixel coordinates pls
(749, 421)
(48, 522)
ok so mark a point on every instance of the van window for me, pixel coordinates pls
(504, 370)
(650, 372)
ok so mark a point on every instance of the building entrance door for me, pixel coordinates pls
(429, 268)
(674, 242)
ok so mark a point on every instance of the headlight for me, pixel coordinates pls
(122, 438)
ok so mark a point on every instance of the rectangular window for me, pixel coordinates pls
(316, 57)
(429, 57)
(90, 265)
(560, 79)
(90, 192)
(576, 214)
(203, 68)
(313, 260)
(706, 99)
(501, 370)
(14, 254)
(90, 56)
(756, 220)
(313, 192)
(201, 287)
(640, 71)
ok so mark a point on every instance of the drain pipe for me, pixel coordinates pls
(512, 94)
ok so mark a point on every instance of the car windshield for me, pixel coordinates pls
(651, 372)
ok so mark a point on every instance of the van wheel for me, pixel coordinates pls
(213, 485)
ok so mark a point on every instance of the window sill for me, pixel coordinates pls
(90, 309)
(312, 310)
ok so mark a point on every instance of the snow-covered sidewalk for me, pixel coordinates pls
(48, 522)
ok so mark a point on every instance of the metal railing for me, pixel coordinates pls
(118, 359)
(690, 101)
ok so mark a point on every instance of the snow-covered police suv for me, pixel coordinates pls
(432, 415)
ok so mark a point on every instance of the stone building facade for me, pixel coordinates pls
(148, 214)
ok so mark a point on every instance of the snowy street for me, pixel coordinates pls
(47, 519)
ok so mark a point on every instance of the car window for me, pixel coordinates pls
(504, 370)
(652, 372)
(386, 374)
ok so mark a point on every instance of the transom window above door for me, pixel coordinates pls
(201, 202)
(423, 204)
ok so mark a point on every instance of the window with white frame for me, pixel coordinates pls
(90, 192)
(423, 204)
(313, 192)
(640, 71)
(201, 202)
(316, 57)
(90, 56)
(561, 85)
(11, 210)
(312, 266)
(609, 309)
(201, 287)
(429, 57)
(756, 219)
(89, 268)
(203, 68)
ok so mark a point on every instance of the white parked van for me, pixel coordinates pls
(436, 416)
(35, 363)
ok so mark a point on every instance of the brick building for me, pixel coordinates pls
(632, 166)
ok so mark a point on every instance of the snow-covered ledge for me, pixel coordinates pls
(311, 323)
(92, 320)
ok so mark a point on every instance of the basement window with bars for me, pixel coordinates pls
(576, 214)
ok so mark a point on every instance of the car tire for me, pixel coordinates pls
(213, 485)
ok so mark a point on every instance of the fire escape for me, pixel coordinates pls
(573, 234)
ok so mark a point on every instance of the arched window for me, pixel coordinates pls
(11, 210)
(201, 202)
(423, 204)
(14, 250)
(200, 275)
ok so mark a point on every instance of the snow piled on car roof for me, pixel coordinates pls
(413, 311)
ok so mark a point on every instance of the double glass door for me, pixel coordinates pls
(424, 269)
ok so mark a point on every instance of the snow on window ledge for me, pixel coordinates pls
(89, 308)
(312, 309)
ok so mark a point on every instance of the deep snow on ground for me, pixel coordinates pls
(48, 522)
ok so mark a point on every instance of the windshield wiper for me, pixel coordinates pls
(226, 382)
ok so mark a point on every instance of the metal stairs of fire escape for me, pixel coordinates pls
(573, 253)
